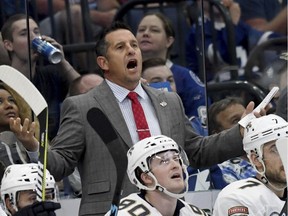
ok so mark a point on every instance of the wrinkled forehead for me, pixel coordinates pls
(119, 36)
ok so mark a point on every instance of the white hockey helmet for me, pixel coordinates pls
(139, 155)
(262, 130)
(20, 177)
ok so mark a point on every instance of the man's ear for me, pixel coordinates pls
(8, 45)
(103, 63)
(9, 205)
(148, 180)
(256, 161)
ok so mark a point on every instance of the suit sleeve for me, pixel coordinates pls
(206, 151)
(69, 144)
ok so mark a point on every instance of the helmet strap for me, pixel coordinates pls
(266, 181)
(175, 195)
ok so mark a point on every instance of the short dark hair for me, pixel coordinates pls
(152, 62)
(101, 45)
(6, 30)
(216, 108)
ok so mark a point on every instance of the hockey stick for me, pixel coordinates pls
(25, 89)
(245, 121)
(284, 211)
(103, 127)
(282, 147)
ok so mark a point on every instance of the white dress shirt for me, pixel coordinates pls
(126, 109)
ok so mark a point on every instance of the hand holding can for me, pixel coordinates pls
(50, 52)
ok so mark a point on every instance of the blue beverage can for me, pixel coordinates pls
(50, 52)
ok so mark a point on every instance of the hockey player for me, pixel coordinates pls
(266, 193)
(157, 166)
(18, 191)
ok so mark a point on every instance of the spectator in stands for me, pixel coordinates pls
(4, 57)
(265, 15)
(266, 193)
(223, 115)
(101, 11)
(51, 80)
(84, 83)
(156, 72)
(155, 35)
(101, 14)
(11, 148)
(18, 192)
(217, 64)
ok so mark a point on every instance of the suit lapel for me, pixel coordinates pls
(106, 100)
(108, 104)
(162, 108)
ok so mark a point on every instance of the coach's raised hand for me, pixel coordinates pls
(25, 133)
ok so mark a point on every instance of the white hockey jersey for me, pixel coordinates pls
(135, 205)
(2, 212)
(247, 197)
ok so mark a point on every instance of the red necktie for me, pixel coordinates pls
(139, 117)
